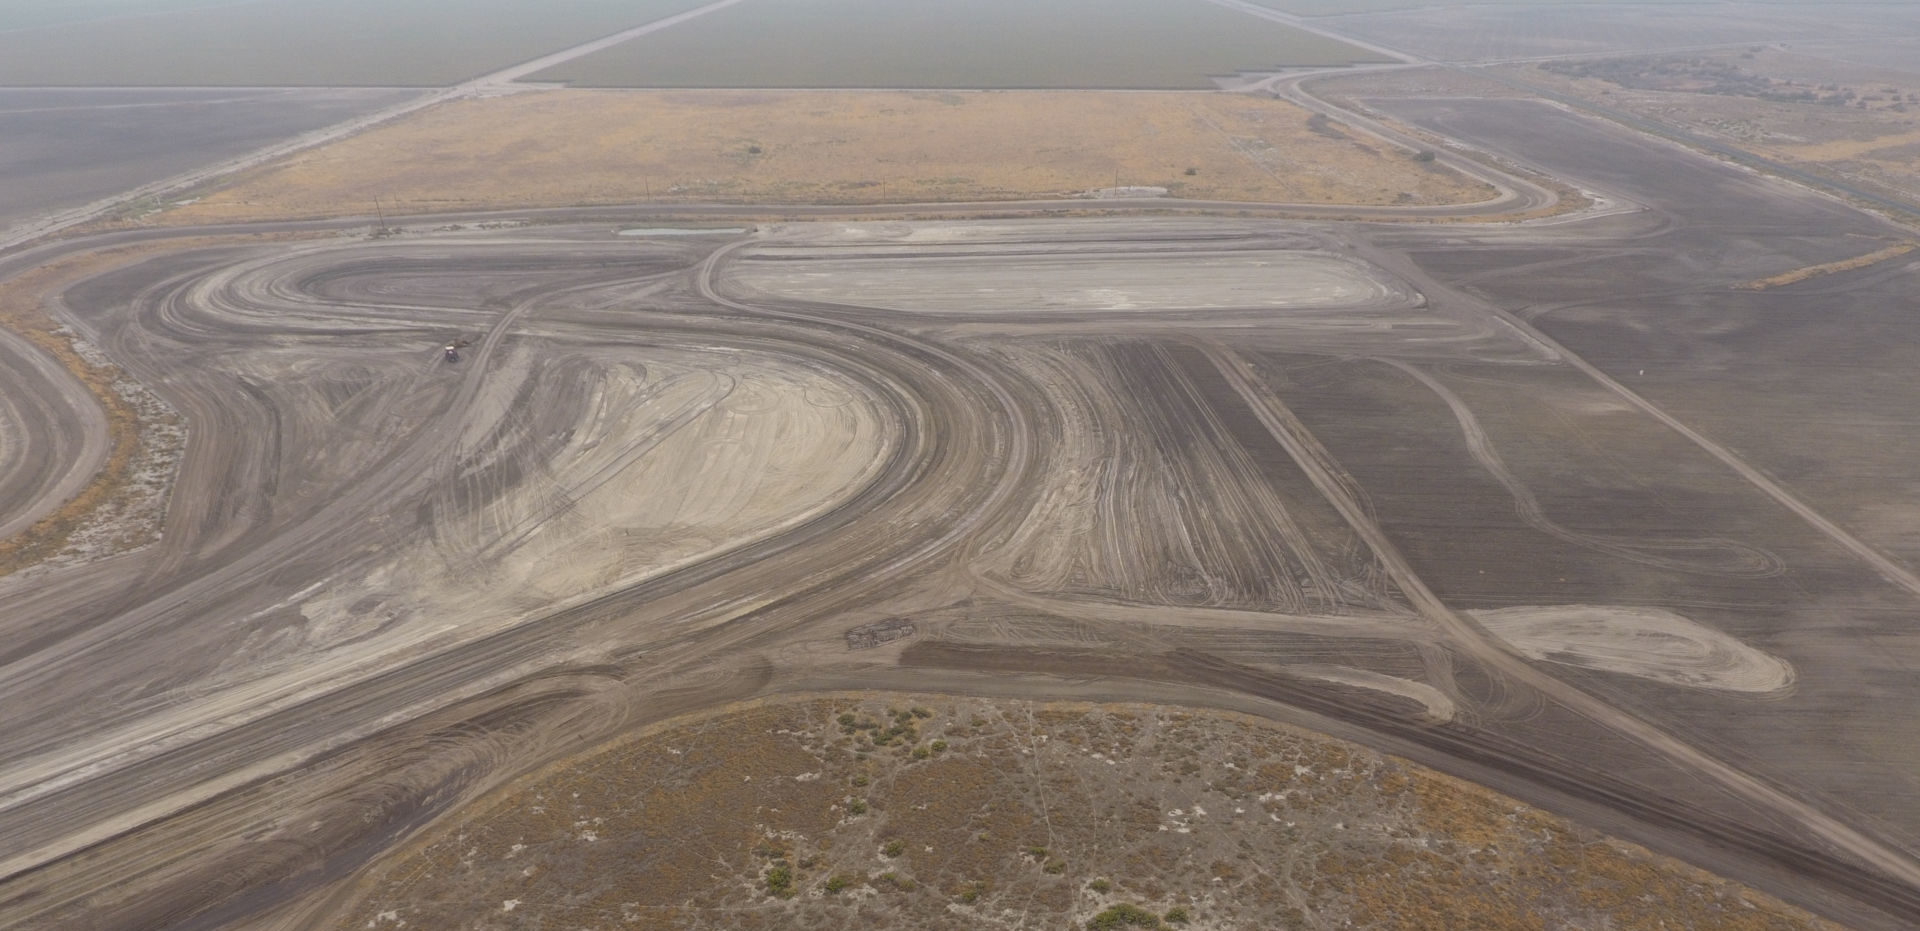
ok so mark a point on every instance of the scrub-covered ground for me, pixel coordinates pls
(934, 812)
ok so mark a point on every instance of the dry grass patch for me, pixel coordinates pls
(790, 147)
(1832, 268)
(22, 299)
(1843, 121)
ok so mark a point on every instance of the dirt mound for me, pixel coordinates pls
(1651, 643)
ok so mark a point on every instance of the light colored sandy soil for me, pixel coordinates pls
(1651, 643)
(589, 147)
(674, 456)
(1111, 282)
(1441, 708)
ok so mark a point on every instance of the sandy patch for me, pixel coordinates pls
(1651, 643)
(1076, 282)
(1440, 707)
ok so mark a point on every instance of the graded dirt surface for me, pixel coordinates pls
(60, 147)
(1556, 507)
(611, 147)
(850, 271)
(923, 811)
(1124, 44)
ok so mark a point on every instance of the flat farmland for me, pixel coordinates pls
(28, 14)
(608, 147)
(288, 42)
(1143, 44)
(1491, 33)
(61, 147)
(1339, 7)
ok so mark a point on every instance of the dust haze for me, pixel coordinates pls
(831, 463)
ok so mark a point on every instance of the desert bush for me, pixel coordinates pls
(1124, 916)
(780, 881)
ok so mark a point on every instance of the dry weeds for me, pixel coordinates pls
(1832, 268)
(1857, 125)
(925, 812)
(786, 147)
(21, 311)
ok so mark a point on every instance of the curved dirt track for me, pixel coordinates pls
(667, 473)
(52, 435)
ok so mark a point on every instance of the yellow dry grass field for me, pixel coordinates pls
(1832, 268)
(569, 147)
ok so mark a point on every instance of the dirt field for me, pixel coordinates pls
(898, 811)
(1555, 507)
(594, 147)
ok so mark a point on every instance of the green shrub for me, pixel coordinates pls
(893, 848)
(1124, 916)
(1177, 915)
(839, 882)
(857, 807)
(1101, 886)
(780, 881)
